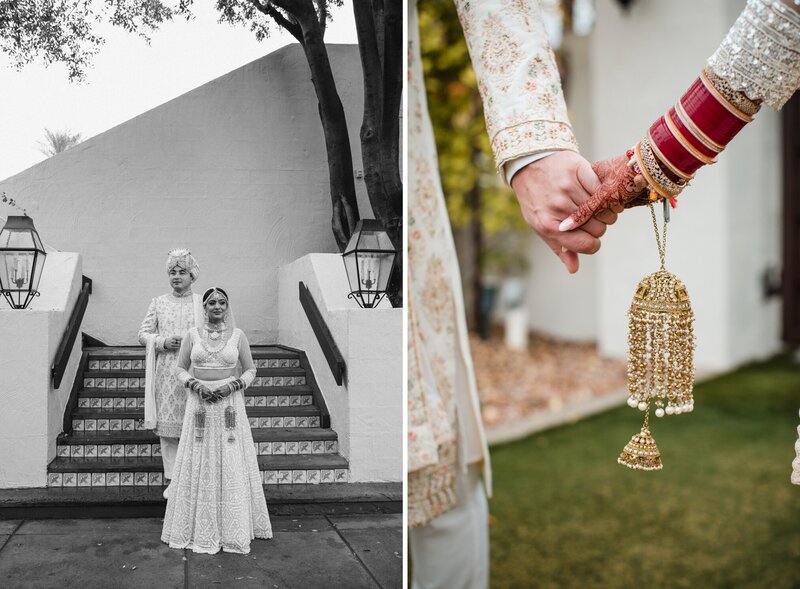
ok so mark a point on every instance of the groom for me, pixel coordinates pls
(536, 153)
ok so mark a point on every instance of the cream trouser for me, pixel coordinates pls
(169, 449)
(452, 552)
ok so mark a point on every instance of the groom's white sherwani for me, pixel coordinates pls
(525, 114)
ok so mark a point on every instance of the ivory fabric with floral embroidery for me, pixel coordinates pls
(525, 114)
(432, 421)
(517, 78)
(168, 316)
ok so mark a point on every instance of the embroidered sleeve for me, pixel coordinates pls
(517, 78)
(246, 359)
(760, 55)
(150, 327)
(185, 358)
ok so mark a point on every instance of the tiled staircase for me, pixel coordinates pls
(108, 447)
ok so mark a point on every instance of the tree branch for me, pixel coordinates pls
(268, 9)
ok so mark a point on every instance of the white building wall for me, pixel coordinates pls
(235, 170)
(33, 410)
(725, 230)
(559, 303)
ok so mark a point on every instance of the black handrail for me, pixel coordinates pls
(72, 401)
(324, 337)
(71, 332)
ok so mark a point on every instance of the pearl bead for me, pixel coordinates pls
(660, 412)
(678, 409)
(670, 410)
(642, 405)
(632, 402)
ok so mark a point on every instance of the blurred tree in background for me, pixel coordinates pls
(58, 141)
(477, 199)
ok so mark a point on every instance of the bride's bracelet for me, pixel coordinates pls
(690, 135)
(193, 385)
(697, 128)
(235, 385)
(643, 161)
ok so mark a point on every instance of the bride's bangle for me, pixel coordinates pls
(646, 163)
(193, 385)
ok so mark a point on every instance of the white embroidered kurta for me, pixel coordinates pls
(167, 316)
(525, 114)
(216, 499)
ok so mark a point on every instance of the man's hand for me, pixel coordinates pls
(550, 190)
(173, 342)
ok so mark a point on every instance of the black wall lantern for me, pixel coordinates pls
(369, 260)
(22, 258)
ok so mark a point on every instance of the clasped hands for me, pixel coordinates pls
(210, 395)
(570, 203)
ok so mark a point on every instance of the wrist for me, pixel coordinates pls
(511, 167)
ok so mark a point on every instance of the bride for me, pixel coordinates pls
(215, 498)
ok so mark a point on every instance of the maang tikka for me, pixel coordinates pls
(660, 354)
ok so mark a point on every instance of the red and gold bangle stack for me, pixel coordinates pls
(691, 135)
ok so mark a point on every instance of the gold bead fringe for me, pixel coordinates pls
(660, 355)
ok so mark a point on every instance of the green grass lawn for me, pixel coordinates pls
(722, 513)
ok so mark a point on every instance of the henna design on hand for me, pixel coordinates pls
(620, 185)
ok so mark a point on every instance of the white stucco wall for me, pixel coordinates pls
(725, 230)
(33, 410)
(235, 170)
(559, 303)
(367, 410)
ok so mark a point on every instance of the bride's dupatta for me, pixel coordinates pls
(150, 409)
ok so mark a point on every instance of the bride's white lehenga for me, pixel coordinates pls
(216, 500)
(796, 461)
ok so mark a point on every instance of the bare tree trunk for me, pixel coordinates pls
(392, 96)
(476, 232)
(386, 200)
(334, 124)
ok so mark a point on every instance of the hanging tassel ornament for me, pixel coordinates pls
(230, 422)
(199, 423)
(660, 354)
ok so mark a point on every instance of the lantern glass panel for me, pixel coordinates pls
(17, 269)
(38, 266)
(351, 267)
(375, 240)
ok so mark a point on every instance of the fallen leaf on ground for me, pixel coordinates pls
(549, 375)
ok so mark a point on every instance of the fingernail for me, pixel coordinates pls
(566, 224)
(564, 250)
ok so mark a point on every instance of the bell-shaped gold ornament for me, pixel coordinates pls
(660, 355)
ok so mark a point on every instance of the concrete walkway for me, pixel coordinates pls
(330, 551)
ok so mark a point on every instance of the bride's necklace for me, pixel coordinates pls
(213, 334)
(215, 331)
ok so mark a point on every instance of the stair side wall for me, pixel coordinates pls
(367, 410)
(33, 410)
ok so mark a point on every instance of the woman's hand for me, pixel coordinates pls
(206, 394)
(216, 394)
(620, 187)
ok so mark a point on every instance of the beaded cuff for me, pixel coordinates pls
(735, 97)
